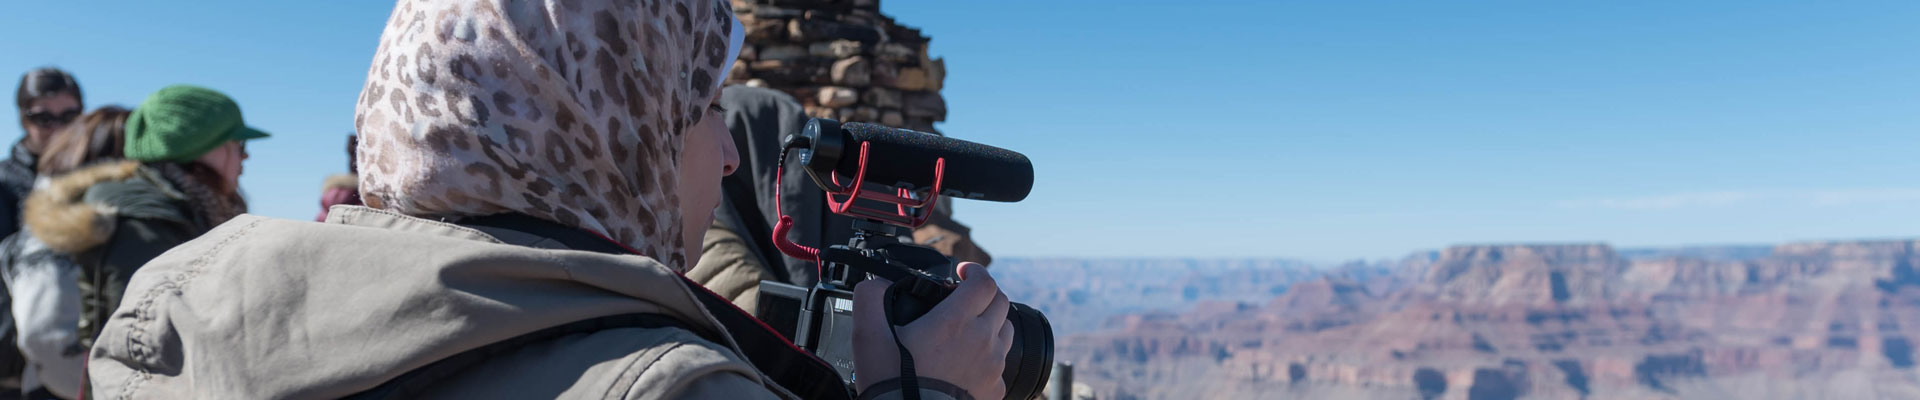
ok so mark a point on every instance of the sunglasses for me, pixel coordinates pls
(48, 118)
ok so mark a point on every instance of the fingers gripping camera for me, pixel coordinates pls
(907, 170)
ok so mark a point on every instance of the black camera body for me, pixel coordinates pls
(825, 319)
(910, 169)
(922, 278)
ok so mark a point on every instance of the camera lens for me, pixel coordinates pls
(1030, 362)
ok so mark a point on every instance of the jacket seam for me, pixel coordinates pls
(631, 367)
(456, 227)
(732, 344)
(143, 311)
(554, 259)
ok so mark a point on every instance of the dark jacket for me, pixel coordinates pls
(16, 179)
(759, 118)
(113, 218)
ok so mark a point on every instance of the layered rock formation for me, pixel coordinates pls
(1811, 320)
(1083, 295)
(843, 60)
(1540, 274)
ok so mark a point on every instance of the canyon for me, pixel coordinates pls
(1484, 322)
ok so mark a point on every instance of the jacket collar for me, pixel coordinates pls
(23, 158)
(535, 232)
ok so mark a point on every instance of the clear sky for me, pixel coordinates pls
(1323, 130)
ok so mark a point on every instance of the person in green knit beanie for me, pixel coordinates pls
(179, 179)
(188, 124)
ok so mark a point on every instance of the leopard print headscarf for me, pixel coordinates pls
(568, 111)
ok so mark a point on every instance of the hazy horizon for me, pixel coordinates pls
(1327, 131)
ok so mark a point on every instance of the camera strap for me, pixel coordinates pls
(909, 381)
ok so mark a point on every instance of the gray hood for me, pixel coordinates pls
(263, 308)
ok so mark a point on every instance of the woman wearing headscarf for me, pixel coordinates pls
(537, 176)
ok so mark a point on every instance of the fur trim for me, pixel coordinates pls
(57, 215)
(342, 181)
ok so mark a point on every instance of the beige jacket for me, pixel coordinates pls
(265, 309)
(729, 268)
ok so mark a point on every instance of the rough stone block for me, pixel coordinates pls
(852, 72)
(835, 96)
(911, 79)
(881, 97)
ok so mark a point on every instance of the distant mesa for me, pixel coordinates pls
(1551, 321)
(1526, 274)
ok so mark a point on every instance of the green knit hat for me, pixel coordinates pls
(180, 123)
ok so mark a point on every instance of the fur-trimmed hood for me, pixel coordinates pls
(77, 211)
(342, 189)
(341, 181)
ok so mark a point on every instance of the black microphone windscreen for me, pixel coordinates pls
(905, 158)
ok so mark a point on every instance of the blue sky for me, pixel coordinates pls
(1324, 130)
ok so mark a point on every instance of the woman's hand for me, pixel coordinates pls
(962, 341)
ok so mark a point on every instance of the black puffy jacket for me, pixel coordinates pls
(16, 180)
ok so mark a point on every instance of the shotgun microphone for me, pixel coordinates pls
(905, 159)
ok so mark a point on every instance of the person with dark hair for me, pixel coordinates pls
(47, 99)
(45, 284)
(538, 175)
(341, 189)
(183, 148)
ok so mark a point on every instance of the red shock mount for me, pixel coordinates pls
(901, 199)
